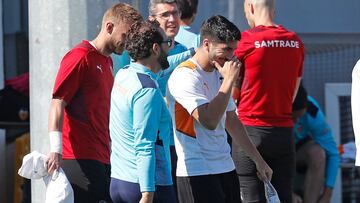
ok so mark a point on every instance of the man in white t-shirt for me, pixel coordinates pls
(355, 108)
(199, 101)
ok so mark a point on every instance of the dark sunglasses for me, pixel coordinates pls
(169, 42)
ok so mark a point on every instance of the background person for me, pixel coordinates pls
(316, 150)
(188, 10)
(355, 108)
(273, 65)
(167, 14)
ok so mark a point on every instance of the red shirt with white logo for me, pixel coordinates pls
(84, 82)
(273, 60)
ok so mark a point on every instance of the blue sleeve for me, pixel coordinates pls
(174, 61)
(197, 42)
(146, 123)
(163, 158)
(322, 134)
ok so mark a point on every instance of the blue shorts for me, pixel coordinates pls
(127, 192)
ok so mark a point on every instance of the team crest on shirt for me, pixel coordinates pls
(99, 67)
(206, 87)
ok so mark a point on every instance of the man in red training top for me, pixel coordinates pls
(80, 107)
(273, 63)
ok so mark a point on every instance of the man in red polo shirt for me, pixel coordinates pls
(80, 106)
(273, 64)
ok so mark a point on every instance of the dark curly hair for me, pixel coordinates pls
(219, 29)
(141, 37)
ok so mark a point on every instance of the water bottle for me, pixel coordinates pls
(270, 193)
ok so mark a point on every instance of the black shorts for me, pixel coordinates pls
(218, 188)
(89, 179)
(276, 145)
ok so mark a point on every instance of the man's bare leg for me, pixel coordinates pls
(314, 157)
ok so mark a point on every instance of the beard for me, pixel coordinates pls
(162, 60)
(119, 49)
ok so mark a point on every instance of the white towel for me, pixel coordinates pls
(58, 187)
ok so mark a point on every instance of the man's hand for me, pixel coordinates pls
(147, 197)
(326, 196)
(264, 171)
(296, 198)
(230, 70)
(53, 162)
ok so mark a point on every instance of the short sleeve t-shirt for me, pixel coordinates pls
(200, 151)
(273, 61)
(84, 81)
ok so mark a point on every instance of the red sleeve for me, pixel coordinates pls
(243, 46)
(70, 75)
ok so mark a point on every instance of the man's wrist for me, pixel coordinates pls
(228, 83)
(55, 141)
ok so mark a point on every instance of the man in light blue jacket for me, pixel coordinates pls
(188, 9)
(315, 148)
(140, 121)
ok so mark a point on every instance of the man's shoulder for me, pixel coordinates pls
(83, 46)
(134, 79)
(357, 65)
(80, 50)
(187, 64)
(184, 74)
(146, 81)
(185, 32)
(132, 82)
(178, 48)
(290, 33)
(278, 30)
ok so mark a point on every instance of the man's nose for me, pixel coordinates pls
(171, 18)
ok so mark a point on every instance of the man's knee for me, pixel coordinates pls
(316, 156)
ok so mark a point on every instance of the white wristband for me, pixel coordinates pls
(55, 141)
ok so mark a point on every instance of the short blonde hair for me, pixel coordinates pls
(122, 12)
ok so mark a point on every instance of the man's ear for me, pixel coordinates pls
(156, 49)
(252, 10)
(206, 44)
(109, 26)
